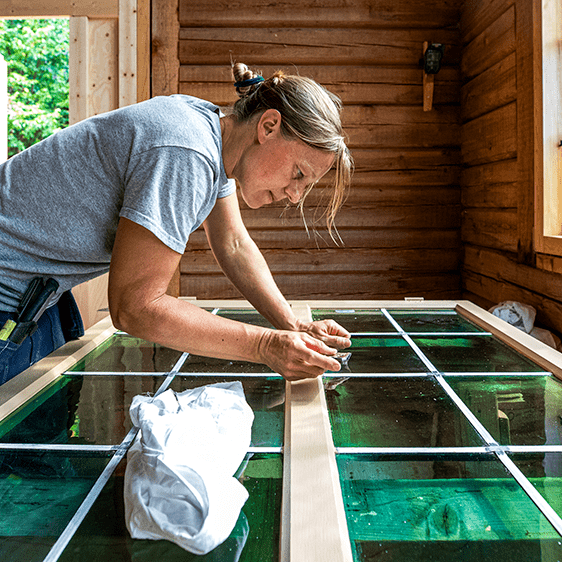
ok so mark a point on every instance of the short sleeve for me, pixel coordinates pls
(170, 191)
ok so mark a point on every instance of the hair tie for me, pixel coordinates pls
(249, 82)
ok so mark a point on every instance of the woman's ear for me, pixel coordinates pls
(269, 125)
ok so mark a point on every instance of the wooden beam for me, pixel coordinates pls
(165, 59)
(15, 9)
(143, 50)
(127, 52)
(78, 69)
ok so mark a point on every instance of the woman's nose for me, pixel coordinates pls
(292, 192)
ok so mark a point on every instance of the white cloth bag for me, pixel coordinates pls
(179, 482)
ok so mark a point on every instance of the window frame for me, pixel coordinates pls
(548, 132)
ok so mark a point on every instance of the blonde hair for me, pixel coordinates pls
(309, 113)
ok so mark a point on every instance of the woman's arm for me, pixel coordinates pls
(244, 264)
(140, 271)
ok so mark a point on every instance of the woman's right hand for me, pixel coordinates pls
(296, 355)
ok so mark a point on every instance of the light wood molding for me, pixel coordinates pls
(58, 8)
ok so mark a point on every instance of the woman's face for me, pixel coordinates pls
(274, 168)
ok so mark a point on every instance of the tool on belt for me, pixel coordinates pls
(34, 302)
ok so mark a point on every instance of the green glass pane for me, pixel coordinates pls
(395, 412)
(266, 397)
(433, 321)
(89, 409)
(124, 353)
(515, 410)
(39, 493)
(255, 538)
(246, 316)
(473, 354)
(544, 470)
(441, 509)
(378, 354)
(356, 320)
(198, 364)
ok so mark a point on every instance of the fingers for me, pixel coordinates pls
(331, 333)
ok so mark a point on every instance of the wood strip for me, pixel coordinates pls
(342, 75)
(398, 94)
(540, 353)
(57, 8)
(490, 228)
(491, 90)
(356, 13)
(304, 261)
(352, 238)
(342, 286)
(495, 43)
(143, 50)
(165, 62)
(256, 46)
(312, 492)
(490, 138)
(24, 386)
(478, 15)
(525, 132)
(78, 68)
(127, 52)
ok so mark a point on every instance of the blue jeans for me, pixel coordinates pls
(58, 324)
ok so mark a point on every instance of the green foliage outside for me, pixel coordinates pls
(36, 51)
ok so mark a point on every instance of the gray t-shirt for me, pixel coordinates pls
(157, 163)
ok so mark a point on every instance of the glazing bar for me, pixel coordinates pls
(58, 447)
(532, 448)
(89, 500)
(412, 450)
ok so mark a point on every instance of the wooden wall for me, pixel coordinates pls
(497, 179)
(401, 222)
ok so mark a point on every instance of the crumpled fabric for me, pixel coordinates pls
(179, 482)
(520, 315)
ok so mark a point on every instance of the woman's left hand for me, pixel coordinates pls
(328, 331)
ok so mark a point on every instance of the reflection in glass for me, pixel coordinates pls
(199, 364)
(124, 353)
(103, 535)
(39, 494)
(515, 410)
(396, 412)
(89, 409)
(356, 320)
(266, 397)
(544, 470)
(473, 354)
(380, 354)
(246, 316)
(433, 321)
(441, 509)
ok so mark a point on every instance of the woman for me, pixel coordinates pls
(123, 191)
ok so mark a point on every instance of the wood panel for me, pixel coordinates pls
(498, 121)
(494, 88)
(490, 138)
(342, 46)
(324, 284)
(491, 228)
(494, 44)
(58, 8)
(333, 13)
(405, 193)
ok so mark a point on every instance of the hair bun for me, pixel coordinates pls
(246, 81)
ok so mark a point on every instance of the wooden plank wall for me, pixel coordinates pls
(497, 153)
(401, 222)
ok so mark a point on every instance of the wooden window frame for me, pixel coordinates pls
(313, 521)
(548, 133)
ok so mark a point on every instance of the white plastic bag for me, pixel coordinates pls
(521, 316)
(179, 481)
